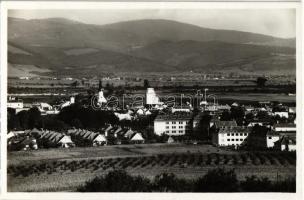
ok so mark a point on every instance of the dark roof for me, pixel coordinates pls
(238, 129)
(173, 117)
(284, 125)
(287, 140)
(220, 124)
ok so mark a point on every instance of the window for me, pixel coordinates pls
(245, 134)
(167, 131)
(241, 139)
(180, 126)
(236, 139)
(232, 139)
(180, 122)
(167, 127)
(236, 134)
(232, 134)
(269, 137)
(180, 131)
(173, 122)
(241, 134)
(228, 139)
(228, 134)
(173, 131)
(173, 127)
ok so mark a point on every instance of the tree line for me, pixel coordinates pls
(216, 180)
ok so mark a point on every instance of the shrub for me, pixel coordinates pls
(254, 184)
(117, 181)
(168, 182)
(217, 180)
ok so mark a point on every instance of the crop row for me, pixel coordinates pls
(162, 160)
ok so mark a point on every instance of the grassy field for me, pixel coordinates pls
(66, 169)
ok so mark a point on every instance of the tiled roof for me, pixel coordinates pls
(239, 129)
(173, 117)
(220, 124)
(281, 125)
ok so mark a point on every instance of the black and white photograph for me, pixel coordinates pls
(152, 99)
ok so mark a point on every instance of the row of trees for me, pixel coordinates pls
(217, 180)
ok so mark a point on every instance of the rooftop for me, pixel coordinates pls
(173, 117)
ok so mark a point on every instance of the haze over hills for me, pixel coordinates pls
(141, 45)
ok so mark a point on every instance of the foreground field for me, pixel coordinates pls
(68, 169)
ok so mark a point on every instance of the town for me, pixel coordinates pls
(271, 123)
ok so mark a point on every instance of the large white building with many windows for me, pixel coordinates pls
(173, 124)
(231, 136)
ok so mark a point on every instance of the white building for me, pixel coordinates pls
(151, 97)
(285, 127)
(172, 124)
(287, 143)
(271, 138)
(281, 114)
(15, 105)
(231, 136)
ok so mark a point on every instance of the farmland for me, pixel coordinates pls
(66, 169)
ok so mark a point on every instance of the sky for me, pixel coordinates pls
(274, 22)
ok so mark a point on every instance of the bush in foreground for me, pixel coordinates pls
(117, 181)
(217, 180)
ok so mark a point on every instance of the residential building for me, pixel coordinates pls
(231, 136)
(172, 124)
(282, 114)
(284, 127)
(271, 138)
(286, 143)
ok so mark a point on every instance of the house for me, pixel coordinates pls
(108, 129)
(271, 138)
(181, 109)
(137, 138)
(172, 124)
(292, 110)
(29, 143)
(286, 143)
(284, 127)
(231, 136)
(262, 122)
(281, 114)
(128, 134)
(97, 139)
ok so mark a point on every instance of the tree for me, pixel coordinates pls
(117, 181)
(217, 180)
(168, 182)
(261, 81)
(34, 117)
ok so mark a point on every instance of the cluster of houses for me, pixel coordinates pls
(35, 138)
(281, 136)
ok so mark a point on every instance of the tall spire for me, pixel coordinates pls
(100, 85)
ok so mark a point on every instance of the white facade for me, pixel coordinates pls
(15, 105)
(171, 127)
(285, 128)
(151, 97)
(180, 110)
(281, 114)
(230, 137)
(291, 147)
(271, 139)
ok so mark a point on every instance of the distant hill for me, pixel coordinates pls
(200, 56)
(66, 46)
